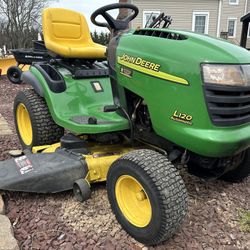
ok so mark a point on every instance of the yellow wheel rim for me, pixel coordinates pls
(133, 201)
(24, 124)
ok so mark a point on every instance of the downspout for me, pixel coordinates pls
(243, 42)
(219, 18)
(245, 11)
(131, 25)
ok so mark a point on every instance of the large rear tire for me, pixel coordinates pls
(33, 121)
(147, 195)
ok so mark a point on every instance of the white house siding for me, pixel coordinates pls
(181, 12)
(232, 11)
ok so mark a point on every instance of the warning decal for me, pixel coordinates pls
(23, 164)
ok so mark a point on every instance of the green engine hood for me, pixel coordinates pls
(165, 70)
(213, 50)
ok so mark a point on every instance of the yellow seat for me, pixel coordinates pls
(66, 33)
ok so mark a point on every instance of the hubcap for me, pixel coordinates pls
(24, 124)
(133, 201)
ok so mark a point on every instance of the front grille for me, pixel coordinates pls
(160, 34)
(228, 106)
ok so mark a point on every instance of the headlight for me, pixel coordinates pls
(228, 74)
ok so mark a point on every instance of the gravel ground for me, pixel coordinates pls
(59, 222)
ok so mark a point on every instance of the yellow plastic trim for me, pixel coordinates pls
(98, 167)
(158, 74)
(52, 148)
(133, 201)
(24, 124)
(101, 158)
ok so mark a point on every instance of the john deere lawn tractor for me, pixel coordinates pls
(127, 114)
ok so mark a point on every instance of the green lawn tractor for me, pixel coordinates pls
(127, 114)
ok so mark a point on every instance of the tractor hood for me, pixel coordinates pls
(186, 44)
(177, 53)
(210, 49)
(164, 67)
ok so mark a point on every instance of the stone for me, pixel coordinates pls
(4, 127)
(2, 207)
(15, 152)
(7, 240)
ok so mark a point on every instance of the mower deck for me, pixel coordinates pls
(52, 169)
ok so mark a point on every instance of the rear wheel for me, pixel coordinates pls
(33, 122)
(147, 195)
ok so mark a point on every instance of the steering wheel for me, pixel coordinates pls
(114, 24)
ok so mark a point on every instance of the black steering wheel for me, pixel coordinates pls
(114, 24)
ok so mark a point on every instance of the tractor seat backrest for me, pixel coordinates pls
(66, 33)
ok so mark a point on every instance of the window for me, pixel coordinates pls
(200, 22)
(231, 27)
(233, 2)
(149, 16)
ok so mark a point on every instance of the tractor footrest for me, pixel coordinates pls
(84, 119)
(89, 120)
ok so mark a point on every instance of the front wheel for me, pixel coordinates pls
(147, 195)
(241, 172)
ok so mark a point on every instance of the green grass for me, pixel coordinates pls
(244, 220)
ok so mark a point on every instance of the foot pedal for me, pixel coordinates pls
(92, 120)
(84, 119)
(110, 108)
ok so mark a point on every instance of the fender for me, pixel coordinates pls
(29, 78)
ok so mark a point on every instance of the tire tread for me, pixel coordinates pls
(45, 130)
(168, 185)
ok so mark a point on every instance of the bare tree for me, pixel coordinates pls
(20, 20)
